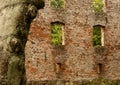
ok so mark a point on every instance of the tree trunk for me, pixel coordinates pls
(15, 19)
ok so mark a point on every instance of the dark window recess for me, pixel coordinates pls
(100, 68)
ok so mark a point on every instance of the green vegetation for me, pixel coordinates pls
(97, 35)
(57, 3)
(56, 34)
(98, 5)
(57, 28)
(102, 82)
(84, 82)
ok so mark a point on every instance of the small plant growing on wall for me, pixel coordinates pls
(56, 36)
(57, 3)
(98, 5)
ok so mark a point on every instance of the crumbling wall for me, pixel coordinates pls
(77, 59)
(112, 42)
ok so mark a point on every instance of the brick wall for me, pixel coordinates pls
(77, 59)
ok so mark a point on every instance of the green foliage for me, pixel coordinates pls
(57, 3)
(98, 5)
(56, 34)
(101, 82)
(96, 36)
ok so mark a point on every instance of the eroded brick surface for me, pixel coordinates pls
(77, 59)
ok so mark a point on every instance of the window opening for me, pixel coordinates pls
(57, 36)
(57, 3)
(100, 68)
(98, 5)
(98, 35)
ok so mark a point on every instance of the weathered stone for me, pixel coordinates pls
(78, 59)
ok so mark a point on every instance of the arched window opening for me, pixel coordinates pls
(98, 35)
(57, 33)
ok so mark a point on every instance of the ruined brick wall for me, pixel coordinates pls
(78, 59)
(112, 40)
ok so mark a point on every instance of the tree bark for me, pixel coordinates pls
(15, 19)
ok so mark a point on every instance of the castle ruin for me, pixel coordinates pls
(77, 58)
